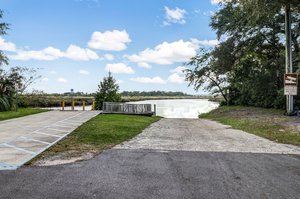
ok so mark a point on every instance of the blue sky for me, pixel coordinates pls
(76, 42)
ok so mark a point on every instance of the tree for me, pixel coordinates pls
(107, 92)
(251, 53)
(14, 81)
(205, 74)
(3, 30)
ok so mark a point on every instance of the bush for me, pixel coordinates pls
(4, 104)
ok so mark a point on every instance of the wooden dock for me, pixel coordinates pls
(125, 108)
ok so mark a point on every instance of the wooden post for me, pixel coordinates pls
(154, 109)
(73, 104)
(63, 105)
(288, 54)
(83, 105)
(93, 104)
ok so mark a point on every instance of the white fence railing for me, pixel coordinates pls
(139, 109)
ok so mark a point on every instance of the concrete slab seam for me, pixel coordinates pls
(42, 142)
(18, 148)
(45, 134)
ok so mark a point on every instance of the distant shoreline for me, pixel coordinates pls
(142, 98)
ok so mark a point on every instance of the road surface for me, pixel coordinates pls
(173, 158)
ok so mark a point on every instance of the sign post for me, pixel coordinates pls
(290, 88)
(72, 99)
(288, 59)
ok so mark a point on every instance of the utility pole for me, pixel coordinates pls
(288, 55)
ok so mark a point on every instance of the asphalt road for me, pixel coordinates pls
(171, 169)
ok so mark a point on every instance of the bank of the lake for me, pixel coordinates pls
(268, 123)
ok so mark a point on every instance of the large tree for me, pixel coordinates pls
(107, 92)
(251, 53)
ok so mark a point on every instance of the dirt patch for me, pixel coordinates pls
(64, 158)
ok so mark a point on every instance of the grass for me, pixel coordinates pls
(268, 123)
(100, 133)
(21, 113)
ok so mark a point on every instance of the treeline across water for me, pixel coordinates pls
(153, 93)
(42, 99)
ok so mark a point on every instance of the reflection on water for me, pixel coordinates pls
(181, 108)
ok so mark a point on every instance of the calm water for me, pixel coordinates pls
(181, 108)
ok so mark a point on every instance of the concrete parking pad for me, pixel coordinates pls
(23, 138)
(203, 135)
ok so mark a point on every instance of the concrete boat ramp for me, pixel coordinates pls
(24, 138)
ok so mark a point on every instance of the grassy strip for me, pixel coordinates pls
(21, 113)
(267, 123)
(99, 133)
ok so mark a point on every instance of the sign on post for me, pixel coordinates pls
(290, 84)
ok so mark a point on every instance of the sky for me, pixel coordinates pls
(74, 43)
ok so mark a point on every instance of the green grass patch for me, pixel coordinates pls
(268, 123)
(101, 132)
(20, 113)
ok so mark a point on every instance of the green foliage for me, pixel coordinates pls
(251, 54)
(4, 104)
(15, 80)
(21, 113)
(267, 123)
(107, 92)
(206, 72)
(3, 29)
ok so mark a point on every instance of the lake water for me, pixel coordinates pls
(181, 108)
(175, 108)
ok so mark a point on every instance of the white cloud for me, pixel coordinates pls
(109, 57)
(213, 42)
(110, 40)
(50, 53)
(77, 53)
(47, 54)
(216, 2)
(144, 65)
(179, 69)
(176, 78)
(176, 15)
(45, 79)
(84, 72)
(149, 80)
(119, 68)
(7, 46)
(62, 80)
(166, 53)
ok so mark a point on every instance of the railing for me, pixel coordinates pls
(123, 108)
(83, 103)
